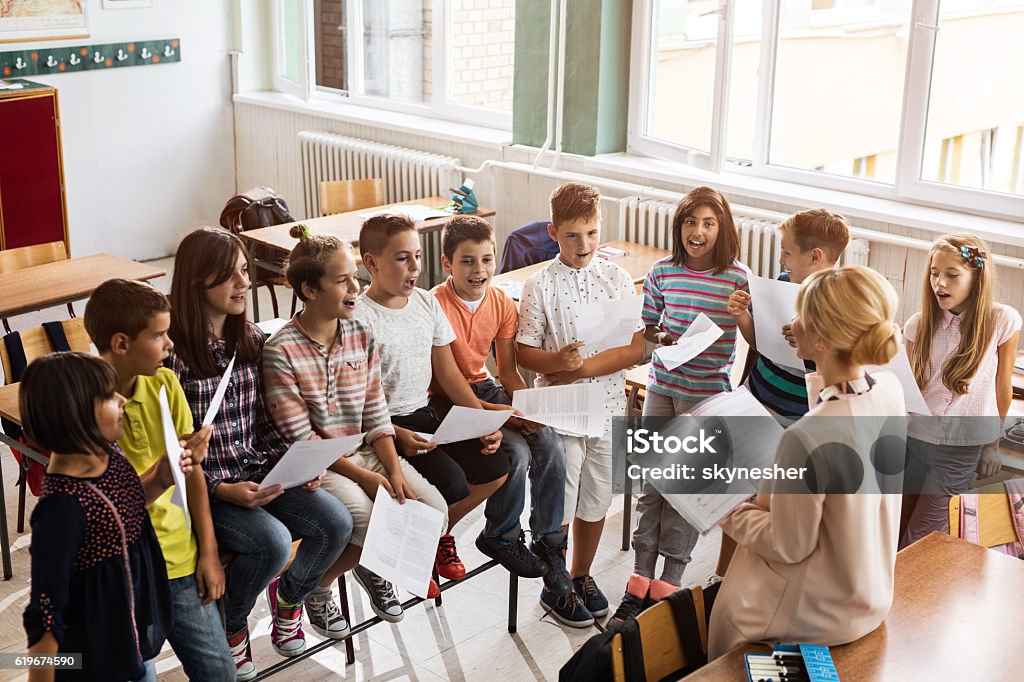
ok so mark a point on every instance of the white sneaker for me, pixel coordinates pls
(383, 599)
(241, 654)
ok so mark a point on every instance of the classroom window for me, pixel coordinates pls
(451, 59)
(890, 98)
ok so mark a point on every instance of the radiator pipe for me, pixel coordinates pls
(560, 100)
(552, 61)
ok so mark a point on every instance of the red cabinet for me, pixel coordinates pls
(33, 209)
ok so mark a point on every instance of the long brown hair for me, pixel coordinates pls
(727, 245)
(976, 323)
(208, 253)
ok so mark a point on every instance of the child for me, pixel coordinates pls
(812, 566)
(208, 326)
(962, 346)
(699, 277)
(322, 377)
(414, 340)
(99, 586)
(481, 316)
(128, 323)
(811, 240)
(547, 344)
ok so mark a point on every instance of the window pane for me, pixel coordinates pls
(482, 48)
(839, 74)
(291, 64)
(682, 82)
(976, 105)
(329, 39)
(397, 45)
(746, 60)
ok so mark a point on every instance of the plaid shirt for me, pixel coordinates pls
(245, 443)
(316, 392)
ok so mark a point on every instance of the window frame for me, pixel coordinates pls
(908, 185)
(438, 105)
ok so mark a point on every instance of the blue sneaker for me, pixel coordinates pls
(593, 597)
(568, 608)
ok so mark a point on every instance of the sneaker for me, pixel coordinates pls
(568, 608)
(241, 654)
(447, 560)
(556, 578)
(593, 597)
(433, 590)
(513, 555)
(383, 599)
(286, 624)
(325, 616)
(633, 601)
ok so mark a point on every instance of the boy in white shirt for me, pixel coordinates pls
(547, 344)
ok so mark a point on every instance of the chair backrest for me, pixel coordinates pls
(27, 256)
(527, 245)
(36, 342)
(995, 524)
(339, 196)
(662, 653)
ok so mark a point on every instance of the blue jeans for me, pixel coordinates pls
(261, 539)
(198, 636)
(539, 455)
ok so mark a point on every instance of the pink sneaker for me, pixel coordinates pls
(286, 624)
(241, 654)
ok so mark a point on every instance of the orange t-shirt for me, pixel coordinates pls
(496, 318)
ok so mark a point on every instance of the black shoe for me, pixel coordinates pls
(592, 595)
(513, 555)
(569, 608)
(383, 599)
(557, 578)
(630, 607)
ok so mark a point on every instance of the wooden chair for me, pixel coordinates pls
(28, 256)
(995, 526)
(659, 637)
(37, 343)
(636, 382)
(341, 196)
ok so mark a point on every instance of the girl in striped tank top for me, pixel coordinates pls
(698, 277)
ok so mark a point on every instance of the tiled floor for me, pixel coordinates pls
(465, 639)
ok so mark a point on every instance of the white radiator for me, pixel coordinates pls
(650, 222)
(407, 174)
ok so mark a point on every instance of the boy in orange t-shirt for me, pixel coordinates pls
(481, 316)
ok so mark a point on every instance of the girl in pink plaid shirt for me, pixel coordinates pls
(961, 346)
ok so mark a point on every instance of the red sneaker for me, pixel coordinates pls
(447, 561)
(433, 590)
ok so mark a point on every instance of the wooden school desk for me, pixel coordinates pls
(952, 618)
(43, 286)
(345, 226)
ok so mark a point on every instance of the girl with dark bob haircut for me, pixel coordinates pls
(99, 582)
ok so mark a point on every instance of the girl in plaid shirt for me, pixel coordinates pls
(209, 327)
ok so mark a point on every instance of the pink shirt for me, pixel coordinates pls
(980, 399)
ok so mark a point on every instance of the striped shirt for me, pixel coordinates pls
(779, 390)
(245, 443)
(317, 392)
(673, 298)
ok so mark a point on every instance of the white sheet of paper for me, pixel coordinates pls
(218, 395)
(512, 287)
(900, 366)
(774, 305)
(701, 333)
(174, 450)
(608, 324)
(467, 423)
(401, 542)
(307, 459)
(705, 511)
(270, 327)
(415, 212)
(577, 409)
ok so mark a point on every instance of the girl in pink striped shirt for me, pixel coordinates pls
(961, 346)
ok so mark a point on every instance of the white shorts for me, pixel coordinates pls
(360, 505)
(588, 477)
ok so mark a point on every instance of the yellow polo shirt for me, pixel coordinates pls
(143, 445)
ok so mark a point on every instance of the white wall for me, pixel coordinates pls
(148, 151)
